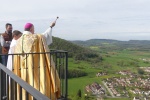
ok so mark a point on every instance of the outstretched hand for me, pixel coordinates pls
(53, 24)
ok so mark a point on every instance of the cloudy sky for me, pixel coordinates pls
(81, 19)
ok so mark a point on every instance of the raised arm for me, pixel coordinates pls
(48, 34)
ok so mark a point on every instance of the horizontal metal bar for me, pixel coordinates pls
(62, 51)
(36, 94)
(51, 52)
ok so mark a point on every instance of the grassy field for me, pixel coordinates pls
(112, 63)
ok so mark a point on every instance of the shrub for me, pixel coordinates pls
(76, 73)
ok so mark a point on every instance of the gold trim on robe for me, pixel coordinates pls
(36, 69)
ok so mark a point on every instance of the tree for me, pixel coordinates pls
(79, 93)
(140, 71)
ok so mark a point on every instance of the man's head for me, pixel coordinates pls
(9, 27)
(16, 34)
(29, 27)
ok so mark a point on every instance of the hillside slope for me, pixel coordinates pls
(74, 50)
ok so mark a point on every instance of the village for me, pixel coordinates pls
(128, 85)
(95, 88)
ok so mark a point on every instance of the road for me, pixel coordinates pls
(108, 89)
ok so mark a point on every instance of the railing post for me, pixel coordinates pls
(66, 76)
(0, 84)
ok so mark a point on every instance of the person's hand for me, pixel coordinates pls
(8, 42)
(52, 25)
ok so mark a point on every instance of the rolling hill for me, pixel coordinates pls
(74, 50)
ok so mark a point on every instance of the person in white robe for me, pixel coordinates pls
(16, 35)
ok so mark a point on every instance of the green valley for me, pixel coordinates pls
(110, 59)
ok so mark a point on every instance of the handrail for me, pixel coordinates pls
(51, 51)
(36, 94)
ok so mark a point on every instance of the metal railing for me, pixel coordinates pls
(9, 82)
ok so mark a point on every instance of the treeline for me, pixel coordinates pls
(74, 51)
(73, 73)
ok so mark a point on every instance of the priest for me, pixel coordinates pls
(35, 65)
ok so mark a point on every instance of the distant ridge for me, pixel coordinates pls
(95, 41)
(132, 44)
(92, 42)
(107, 40)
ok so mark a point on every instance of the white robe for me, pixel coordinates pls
(11, 51)
(47, 34)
